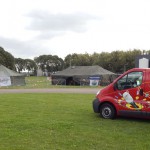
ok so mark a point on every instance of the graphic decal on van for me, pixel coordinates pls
(126, 100)
(130, 102)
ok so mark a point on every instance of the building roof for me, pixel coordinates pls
(83, 71)
(5, 72)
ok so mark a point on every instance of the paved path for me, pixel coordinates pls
(52, 90)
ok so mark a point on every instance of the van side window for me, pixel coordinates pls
(130, 80)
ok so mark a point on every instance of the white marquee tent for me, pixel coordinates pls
(10, 78)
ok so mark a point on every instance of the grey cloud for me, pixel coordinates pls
(23, 49)
(50, 34)
(51, 25)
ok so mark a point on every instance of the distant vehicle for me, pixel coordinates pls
(128, 95)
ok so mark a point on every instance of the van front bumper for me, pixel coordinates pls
(96, 104)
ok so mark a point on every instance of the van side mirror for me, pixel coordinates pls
(141, 92)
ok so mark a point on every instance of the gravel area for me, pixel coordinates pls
(52, 90)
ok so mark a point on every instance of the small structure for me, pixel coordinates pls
(10, 78)
(83, 75)
(142, 61)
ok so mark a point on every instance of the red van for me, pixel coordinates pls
(128, 95)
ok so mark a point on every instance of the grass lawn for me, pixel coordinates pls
(65, 122)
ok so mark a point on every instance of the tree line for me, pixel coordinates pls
(116, 61)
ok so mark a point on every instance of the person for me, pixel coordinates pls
(139, 81)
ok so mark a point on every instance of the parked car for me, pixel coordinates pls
(128, 95)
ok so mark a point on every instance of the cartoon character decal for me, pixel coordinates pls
(126, 100)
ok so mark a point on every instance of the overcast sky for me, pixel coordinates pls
(30, 28)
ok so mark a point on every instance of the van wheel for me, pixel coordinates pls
(107, 111)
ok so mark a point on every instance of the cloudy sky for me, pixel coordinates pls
(30, 28)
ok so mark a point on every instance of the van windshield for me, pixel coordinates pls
(130, 80)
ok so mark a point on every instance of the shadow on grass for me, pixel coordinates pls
(144, 120)
(125, 118)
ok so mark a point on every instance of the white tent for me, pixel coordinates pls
(10, 78)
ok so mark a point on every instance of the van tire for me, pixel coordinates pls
(107, 111)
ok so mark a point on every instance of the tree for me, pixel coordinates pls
(20, 64)
(49, 63)
(31, 66)
(116, 61)
(102, 59)
(25, 64)
(7, 59)
(130, 58)
(78, 60)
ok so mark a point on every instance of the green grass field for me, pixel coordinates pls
(65, 122)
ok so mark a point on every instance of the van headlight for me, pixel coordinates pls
(98, 92)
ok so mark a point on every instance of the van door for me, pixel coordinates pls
(130, 88)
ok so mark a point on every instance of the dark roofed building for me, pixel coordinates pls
(81, 75)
